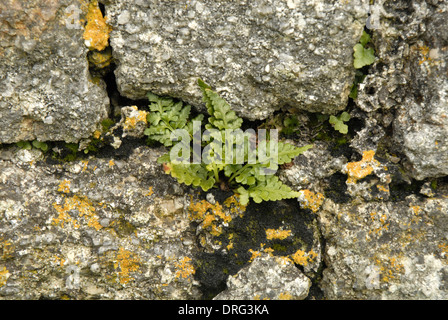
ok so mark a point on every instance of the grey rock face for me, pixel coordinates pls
(106, 228)
(386, 250)
(259, 56)
(46, 91)
(267, 277)
(411, 76)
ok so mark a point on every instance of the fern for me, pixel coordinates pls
(363, 56)
(338, 122)
(250, 180)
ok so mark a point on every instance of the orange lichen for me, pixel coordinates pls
(96, 33)
(277, 234)
(361, 169)
(64, 186)
(302, 258)
(150, 192)
(390, 268)
(234, 205)
(6, 249)
(255, 254)
(285, 296)
(310, 200)
(4, 275)
(134, 118)
(111, 163)
(84, 207)
(210, 214)
(185, 268)
(127, 262)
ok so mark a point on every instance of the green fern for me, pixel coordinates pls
(338, 122)
(250, 180)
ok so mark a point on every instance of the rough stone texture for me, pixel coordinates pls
(46, 92)
(386, 250)
(267, 277)
(259, 55)
(410, 75)
(109, 228)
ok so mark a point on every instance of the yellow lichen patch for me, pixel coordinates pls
(310, 200)
(424, 51)
(234, 205)
(184, 269)
(134, 118)
(383, 226)
(84, 163)
(390, 268)
(6, 249)
(149, 193)
(4, 275)
(303, 258)
(96, 32)
(84, 207)
(64, 186)
(59, 261)
(111, 163)
(126, 262)
(361, 169)
(210, 214)
(285, 296)
(384, 188)
(254, 254)
(277, 234)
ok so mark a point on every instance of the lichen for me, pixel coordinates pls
(84, 207)
(184, 269)
(126, 262)
(277, 234)
(310, 200)
(4, 275)
(96, 32)
(135, 117)
(361, 169)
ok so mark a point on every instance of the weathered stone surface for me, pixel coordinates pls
(46, 91)
(410, 75)
(267, 277)
(386, 250)
(260, 55)
(110, 228)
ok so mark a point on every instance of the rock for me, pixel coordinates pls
(281, 281)
(410, 75)
(259, 57)
(385, 250)
(47, 92)
(94, 228)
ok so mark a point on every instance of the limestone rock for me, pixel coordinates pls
(260, 56)
(46, 91)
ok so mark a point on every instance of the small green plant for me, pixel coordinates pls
(27, 145)
(363, 56)
(249, 179)
(338, 122)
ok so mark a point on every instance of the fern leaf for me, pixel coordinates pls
(191, 174)
(221, 114)
(270, 190)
